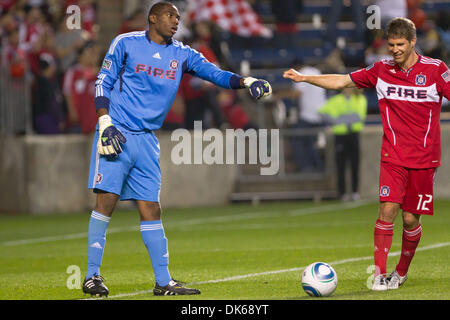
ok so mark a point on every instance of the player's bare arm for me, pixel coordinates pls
(326, 81)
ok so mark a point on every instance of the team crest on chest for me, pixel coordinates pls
(173, 64)
(421, 79)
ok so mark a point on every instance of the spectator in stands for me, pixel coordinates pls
(37, 37)
(12, 33)
(334, 62)
(443, 26)
(5, 5)
(335, 15)
(136, 22)
(234, 113)
(12, 56)
(436, 42)
(44, 44)
(175, 117)
(346, 112)
(67, 44)
(200, 102)
(79, 90)
(207, 39)
(417, 15)
(310, 100)
(34, 28)
(48, 110)
(202, 33)
(200, 96)
(391, 9)
(285, 13)
(10, 19)
(377, 51)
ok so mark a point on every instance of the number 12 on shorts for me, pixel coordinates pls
(424, 199)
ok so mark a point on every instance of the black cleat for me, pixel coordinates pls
(95, 287)
(174, 288)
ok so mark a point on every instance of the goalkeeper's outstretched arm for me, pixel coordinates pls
(326, 81)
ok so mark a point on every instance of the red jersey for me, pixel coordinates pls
(410, 105)
(79, 83)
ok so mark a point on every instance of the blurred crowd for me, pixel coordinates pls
(62, 64)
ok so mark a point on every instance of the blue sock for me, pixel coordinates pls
(96, 241)
(156, 242)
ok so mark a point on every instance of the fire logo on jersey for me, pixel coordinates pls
(421, 79)
(173, 64)
(384, 191)
(156, 72)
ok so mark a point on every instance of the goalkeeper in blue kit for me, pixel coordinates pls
(134, 91)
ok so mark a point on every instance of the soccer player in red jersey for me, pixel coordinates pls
(410, 88)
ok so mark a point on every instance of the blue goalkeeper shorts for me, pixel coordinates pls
(135, 174)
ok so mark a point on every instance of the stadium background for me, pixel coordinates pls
(229, 250)
(44, 169)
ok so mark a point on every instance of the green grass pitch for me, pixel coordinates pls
(235, 252)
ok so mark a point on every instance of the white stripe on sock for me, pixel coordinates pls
(100, 216)
(147, 227)
(414, 232)
(384, 226)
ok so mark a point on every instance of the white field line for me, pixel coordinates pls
(328, 207)
(64, 237)
(227, 218)
(393, 254)
(250, 275)
(296, 248)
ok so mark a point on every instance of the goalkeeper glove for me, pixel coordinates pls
(258, 88)
(109, 137)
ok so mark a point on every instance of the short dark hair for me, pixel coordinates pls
(401, 28)
(158, 7)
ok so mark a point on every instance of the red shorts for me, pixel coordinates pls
(412, 188)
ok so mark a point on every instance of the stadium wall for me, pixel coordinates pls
(49, 174)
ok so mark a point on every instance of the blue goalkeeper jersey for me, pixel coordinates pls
(139, 79)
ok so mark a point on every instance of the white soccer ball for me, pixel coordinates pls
(319, 279)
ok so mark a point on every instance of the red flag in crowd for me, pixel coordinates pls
(235, 16)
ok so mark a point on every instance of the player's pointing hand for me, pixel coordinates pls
(293, 75)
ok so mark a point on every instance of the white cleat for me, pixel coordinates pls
(379, 283)
(395, 280)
